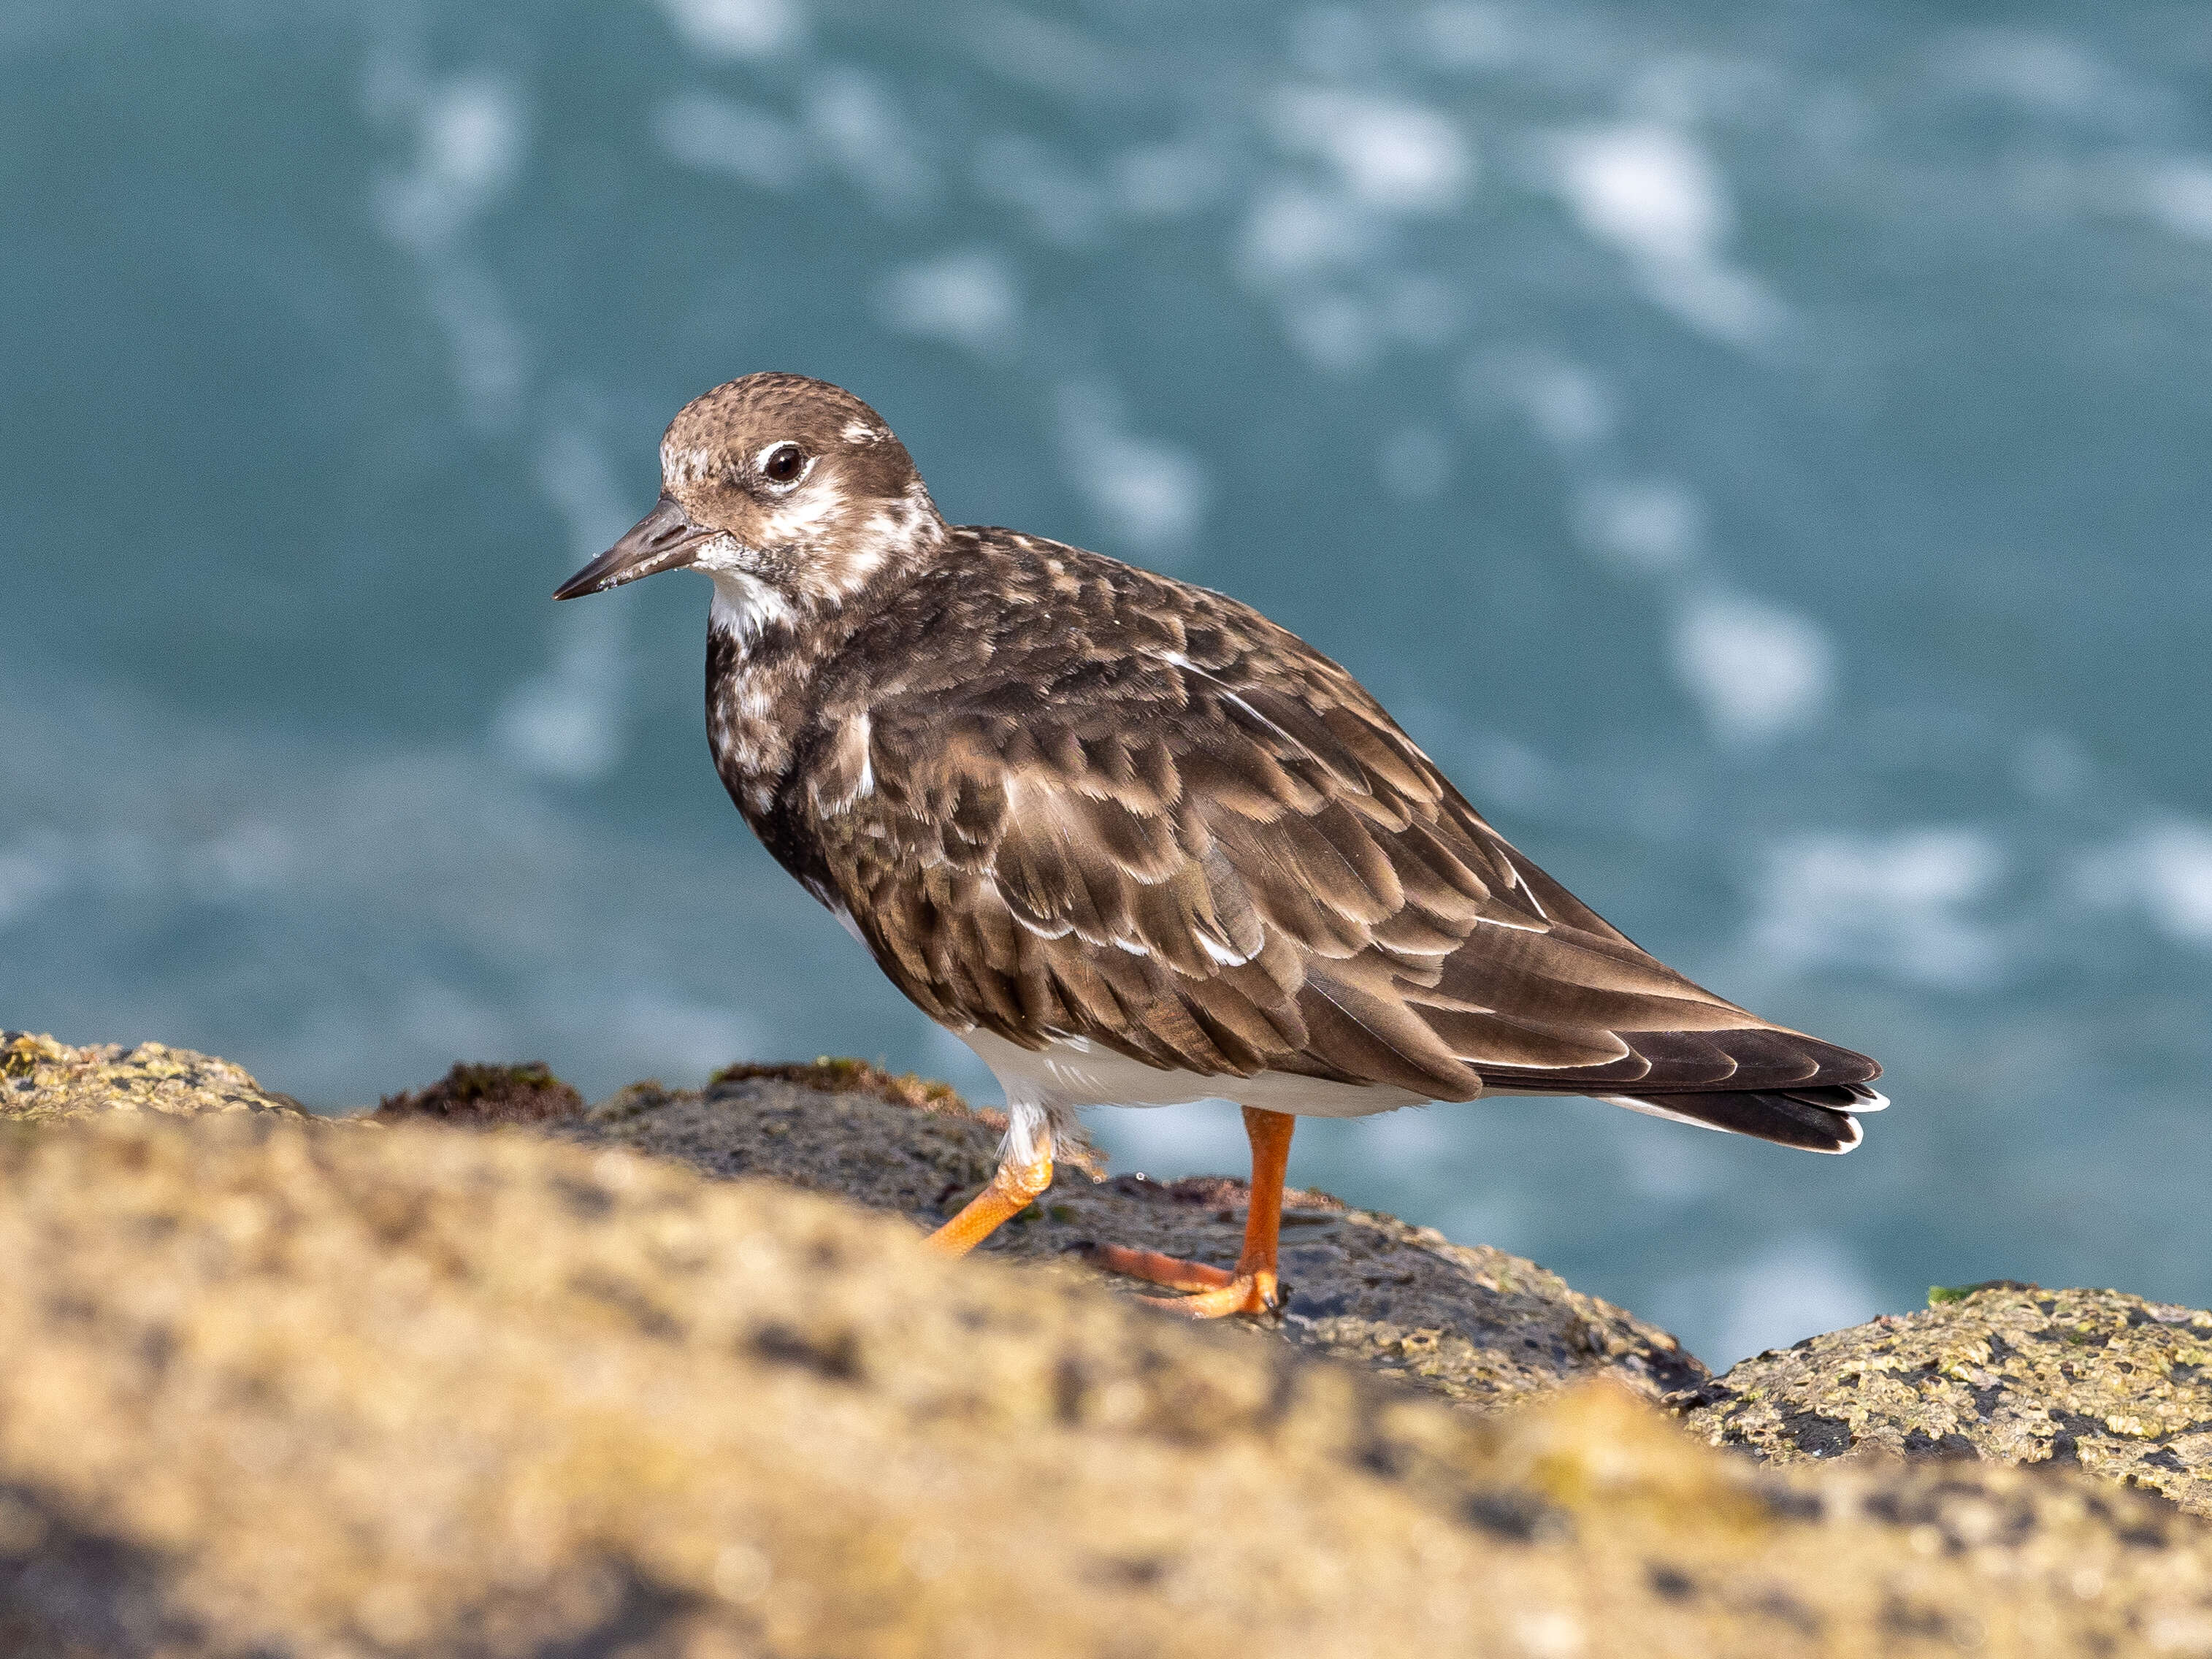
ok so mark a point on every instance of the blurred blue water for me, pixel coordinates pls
(1760, 449)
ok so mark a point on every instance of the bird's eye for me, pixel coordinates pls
(782, 464)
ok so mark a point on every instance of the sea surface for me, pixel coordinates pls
(1764, 451)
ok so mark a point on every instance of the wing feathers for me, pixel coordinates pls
(1214, 852)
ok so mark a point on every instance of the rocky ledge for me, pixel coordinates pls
(283, 1387)
(2096, 1379)
(1469, 1323)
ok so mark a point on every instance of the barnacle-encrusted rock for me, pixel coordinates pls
(2117, 1385)
(42, 1079)
(1470, 1322)
(274, 1388)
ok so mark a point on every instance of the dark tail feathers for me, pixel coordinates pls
(1817, 1119)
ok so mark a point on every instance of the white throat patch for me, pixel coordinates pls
(745, 604)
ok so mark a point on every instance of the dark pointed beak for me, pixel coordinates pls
(663, 539)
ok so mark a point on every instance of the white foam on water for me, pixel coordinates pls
(1565, 402)
(565, 722)
(1647, 189)
(971, 297)
(721, 135)
(1388, 154)
(471, 137)
(2176, 858)
(2162, 869)
(1150, 496)
(1060, 204)
(728, 30)
(1651, 192)
(855, 123)
(1904, 904)
(1293, 231)
(470, 133)
(1650, 526)
(1758, 671)
(2176, 192)
(562, 725)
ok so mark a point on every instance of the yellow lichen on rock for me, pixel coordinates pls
(275, 1387)
(2098, 1379)
(42, 1080)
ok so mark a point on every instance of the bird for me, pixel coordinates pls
(1135, 844)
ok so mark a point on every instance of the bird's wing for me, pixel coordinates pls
(1235, 862)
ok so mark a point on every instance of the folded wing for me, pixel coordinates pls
(1218, 854)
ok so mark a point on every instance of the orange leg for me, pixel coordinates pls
(1252, 1288)
(1008, 1196)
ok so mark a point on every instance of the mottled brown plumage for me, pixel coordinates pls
(1081, 808)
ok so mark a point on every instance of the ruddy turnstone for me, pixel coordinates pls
(1136, 845)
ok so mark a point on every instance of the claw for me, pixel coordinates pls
(1214, 1292)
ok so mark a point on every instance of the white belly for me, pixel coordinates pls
(1075, 1072)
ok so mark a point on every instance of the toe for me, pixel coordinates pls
(1169, 1272)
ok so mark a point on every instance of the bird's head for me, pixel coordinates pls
(790, 493)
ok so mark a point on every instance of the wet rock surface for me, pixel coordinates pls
(41, 1081)
(1471, 1323)
(2098, 1380)
(276, 1388)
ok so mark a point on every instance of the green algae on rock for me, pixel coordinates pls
(277, 1387)
(2012, 1373)
(1469, 1323)
(42, 1080)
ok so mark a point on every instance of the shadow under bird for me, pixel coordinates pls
(1136, 845)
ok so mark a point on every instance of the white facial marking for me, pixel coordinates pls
(799, 519)
(859, 432)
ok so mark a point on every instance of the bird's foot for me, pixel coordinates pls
(1214, 1292)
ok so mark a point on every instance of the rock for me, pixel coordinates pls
(1469, 1322)
(2099, 1379)
(481, 1096)
(42, 1079)
(274, 1388)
